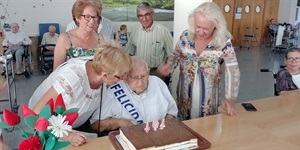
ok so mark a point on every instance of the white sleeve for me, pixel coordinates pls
(27, 40)
(68, 82)
(106, 108)
(172, 106)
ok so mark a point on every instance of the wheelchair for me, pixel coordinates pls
(46, 58)
(274, 77)
(26, 59)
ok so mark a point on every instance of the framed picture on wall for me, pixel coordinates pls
(125, 10)
(238, 9)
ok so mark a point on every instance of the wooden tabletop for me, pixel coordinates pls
(275, 125)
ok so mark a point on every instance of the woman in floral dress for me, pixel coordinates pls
(200, 52)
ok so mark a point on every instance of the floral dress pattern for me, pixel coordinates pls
(76, 52)
(123, 39)
(198, 85)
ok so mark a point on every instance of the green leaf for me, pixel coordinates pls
(50, 143)
(71, 111)
(26, 134)
(46, 112)
(60, 145)
(59, 110)
(4, 125)
(30, 121)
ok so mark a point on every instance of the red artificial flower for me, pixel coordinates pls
(60, 102)
(41, 124)
(31, 143)
(51, 104)
(27, 111)
(10, 118)
(71, 117)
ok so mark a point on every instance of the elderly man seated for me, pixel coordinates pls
(140, 98)
(50, 37)
(15, 41)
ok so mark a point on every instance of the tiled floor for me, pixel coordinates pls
(254, 84)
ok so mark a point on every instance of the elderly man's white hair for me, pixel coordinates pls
(52, 27)
(137, 62)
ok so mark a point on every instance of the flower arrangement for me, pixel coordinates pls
(52, 123)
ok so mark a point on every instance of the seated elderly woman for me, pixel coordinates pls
(80, 82)
(140, 98)
(288, 78)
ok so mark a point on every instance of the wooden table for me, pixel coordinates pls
(275, 125)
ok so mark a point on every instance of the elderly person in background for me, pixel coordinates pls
(149, 100)
(15, 41)
(200, 52)
(82, 41)
(273, 27)
(50, 37)
(104, 27)
(288, 78)
(81, 82)
(151, 41)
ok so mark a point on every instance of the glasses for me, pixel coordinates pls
(143, 77)
(117, 77)
(146, 15)
(89, 17)
(291, 59)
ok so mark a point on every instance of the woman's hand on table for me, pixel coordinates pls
(77, 138)
(229, 107)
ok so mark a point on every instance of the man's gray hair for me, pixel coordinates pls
(144, 5)
(53, 27)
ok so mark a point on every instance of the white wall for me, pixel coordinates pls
(287, 11)
(35, 12)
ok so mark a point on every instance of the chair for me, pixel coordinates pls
(274, 77)
(249, 37)
(46, 56)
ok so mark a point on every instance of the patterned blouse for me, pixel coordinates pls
(199, 77)
(75, 52)
(284, 81)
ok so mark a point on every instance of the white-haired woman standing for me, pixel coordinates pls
(200, 51)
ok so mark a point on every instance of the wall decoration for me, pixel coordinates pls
(247, 9)
(257, 9)
(227, 8)
(125, 10)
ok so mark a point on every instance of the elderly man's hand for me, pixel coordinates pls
(11, 45)
(164, 69)
(124, 123)
(20, 43)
